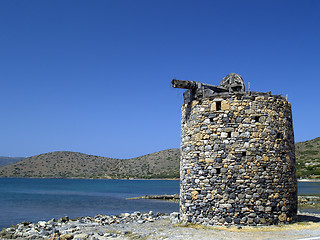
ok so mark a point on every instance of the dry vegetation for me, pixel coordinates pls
(308, 159)
(163, 164)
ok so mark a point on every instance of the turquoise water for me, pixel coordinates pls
(42, 199)
(308, 188)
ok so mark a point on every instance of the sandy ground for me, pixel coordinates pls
(308, 228)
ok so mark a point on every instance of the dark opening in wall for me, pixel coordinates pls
(257, 118)
(211, 120)
(229, 134)
(244, 154)
(218, 170)
(264, 168)
(279, 135)
(218, 106)
(236, 89)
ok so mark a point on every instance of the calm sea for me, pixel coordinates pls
(42, 199)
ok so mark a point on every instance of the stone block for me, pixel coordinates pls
(234, 134)
(245, 209)
(229, 129)
(198, 136)
(224, 135)
(206, 121)
(225, 105)
(282, 217)
(268, 209)
(194, 194)
(227, 205)
(209, 160)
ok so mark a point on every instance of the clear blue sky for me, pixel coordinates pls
(94, 76)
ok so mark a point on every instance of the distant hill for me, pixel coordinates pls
(308, 158)
(163, 164)
(63, 164)
(9, 160)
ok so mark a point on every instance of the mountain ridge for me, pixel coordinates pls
(9, 160)
(66, 164)
(162, 164)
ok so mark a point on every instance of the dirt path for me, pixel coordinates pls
(307, 228)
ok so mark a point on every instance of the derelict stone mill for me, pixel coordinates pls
(237, 155)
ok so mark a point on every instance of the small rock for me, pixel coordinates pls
(174, 217)
(42, 223)
(81, 236)
(64, 219)
(66, 236)
(54, 236)
(51, 221)
(125, 215)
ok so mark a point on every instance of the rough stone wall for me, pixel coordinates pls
(237, 160)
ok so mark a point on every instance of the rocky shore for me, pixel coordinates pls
(166, 197)
(139, 225)
(309, 202)
(80, 228)
(155, 226)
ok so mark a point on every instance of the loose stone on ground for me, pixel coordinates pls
(154, 226)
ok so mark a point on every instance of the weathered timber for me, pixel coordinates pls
(196, 90)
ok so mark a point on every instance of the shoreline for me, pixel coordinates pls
(308, 180)
(171, 179)
(156, 226)
(131, 179)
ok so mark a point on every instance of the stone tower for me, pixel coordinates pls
(237, 155)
